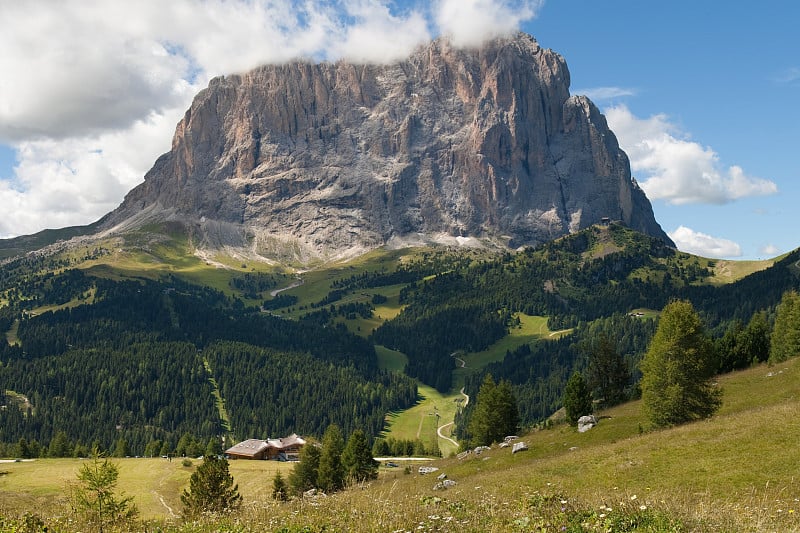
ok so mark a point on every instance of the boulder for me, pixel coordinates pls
(585, 423)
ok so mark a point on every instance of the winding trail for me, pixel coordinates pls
(462, 364)
(290, 286)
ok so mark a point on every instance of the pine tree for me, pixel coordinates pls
(357, 460)
(608, 373)
(496, 414)
(677, 369)
(121, 448)
(331, 473)
(59, 446)
(211, 488)
(304, 474)
(280, 491)
(577, 398)
(785, 340)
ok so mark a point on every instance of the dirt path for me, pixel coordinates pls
(290, 286)
(164, 503)
(440, 429)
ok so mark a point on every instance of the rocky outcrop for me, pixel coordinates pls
(327, 160)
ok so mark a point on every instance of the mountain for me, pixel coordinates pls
(327, 160)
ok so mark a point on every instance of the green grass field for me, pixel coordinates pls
(733, 472)
(422, 420)
(155, 484)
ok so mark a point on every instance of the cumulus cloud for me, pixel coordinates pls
(471, 22)
(697, 243)
(92, 89)
(66, 182)
(378, 36)
(672, 168)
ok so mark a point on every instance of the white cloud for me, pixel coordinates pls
(378, 36)
(471, 22)
(672, 168)
(75, 181)
(92, 89)
(769, 250)
(694, 242)
(789, 75)
(600, 94)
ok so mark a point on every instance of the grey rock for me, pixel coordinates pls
(320, 161)
(519, 447)
(585, 423)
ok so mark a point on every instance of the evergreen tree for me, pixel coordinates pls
(495, 415)
(357, 460)
(331, 472)
(121, 448)
(785, 340)
(23, 449)
(59, 446)
(755, 338)
(304, 474)
(577, 398)
(677, 369)
(608, 373)
(95, 498)
(279, 488)
(214, 446)
(211, 488)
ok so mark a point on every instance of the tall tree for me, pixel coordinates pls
(331, 470)
(357, 460)
(785, 340)
(304, 474)
(577, 398)
(211, 488)
(608, 373)
(677, 369)
(60, 446)
(496, 414)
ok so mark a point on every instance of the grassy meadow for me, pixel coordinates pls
(734, 472)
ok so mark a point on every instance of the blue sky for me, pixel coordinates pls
(702, 95)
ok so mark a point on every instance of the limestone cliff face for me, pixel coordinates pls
(334, 159)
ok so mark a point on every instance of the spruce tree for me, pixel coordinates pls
(677, 369)
(304, 474)
(496, 414)
(577, 398)
(785, 339)
(330, 476)
(280, 491)
(608, 373)
(211, 488)
(357, 460)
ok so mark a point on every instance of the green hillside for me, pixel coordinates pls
(262, 339)
(733, 472)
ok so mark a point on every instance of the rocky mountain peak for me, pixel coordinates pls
(323, 160)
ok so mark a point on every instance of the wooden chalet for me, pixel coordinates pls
(285, 449)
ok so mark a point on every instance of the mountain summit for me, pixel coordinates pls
(319, 161)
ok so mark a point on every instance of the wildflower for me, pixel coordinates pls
(633, 497)
(643, 507)
(602, 515)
